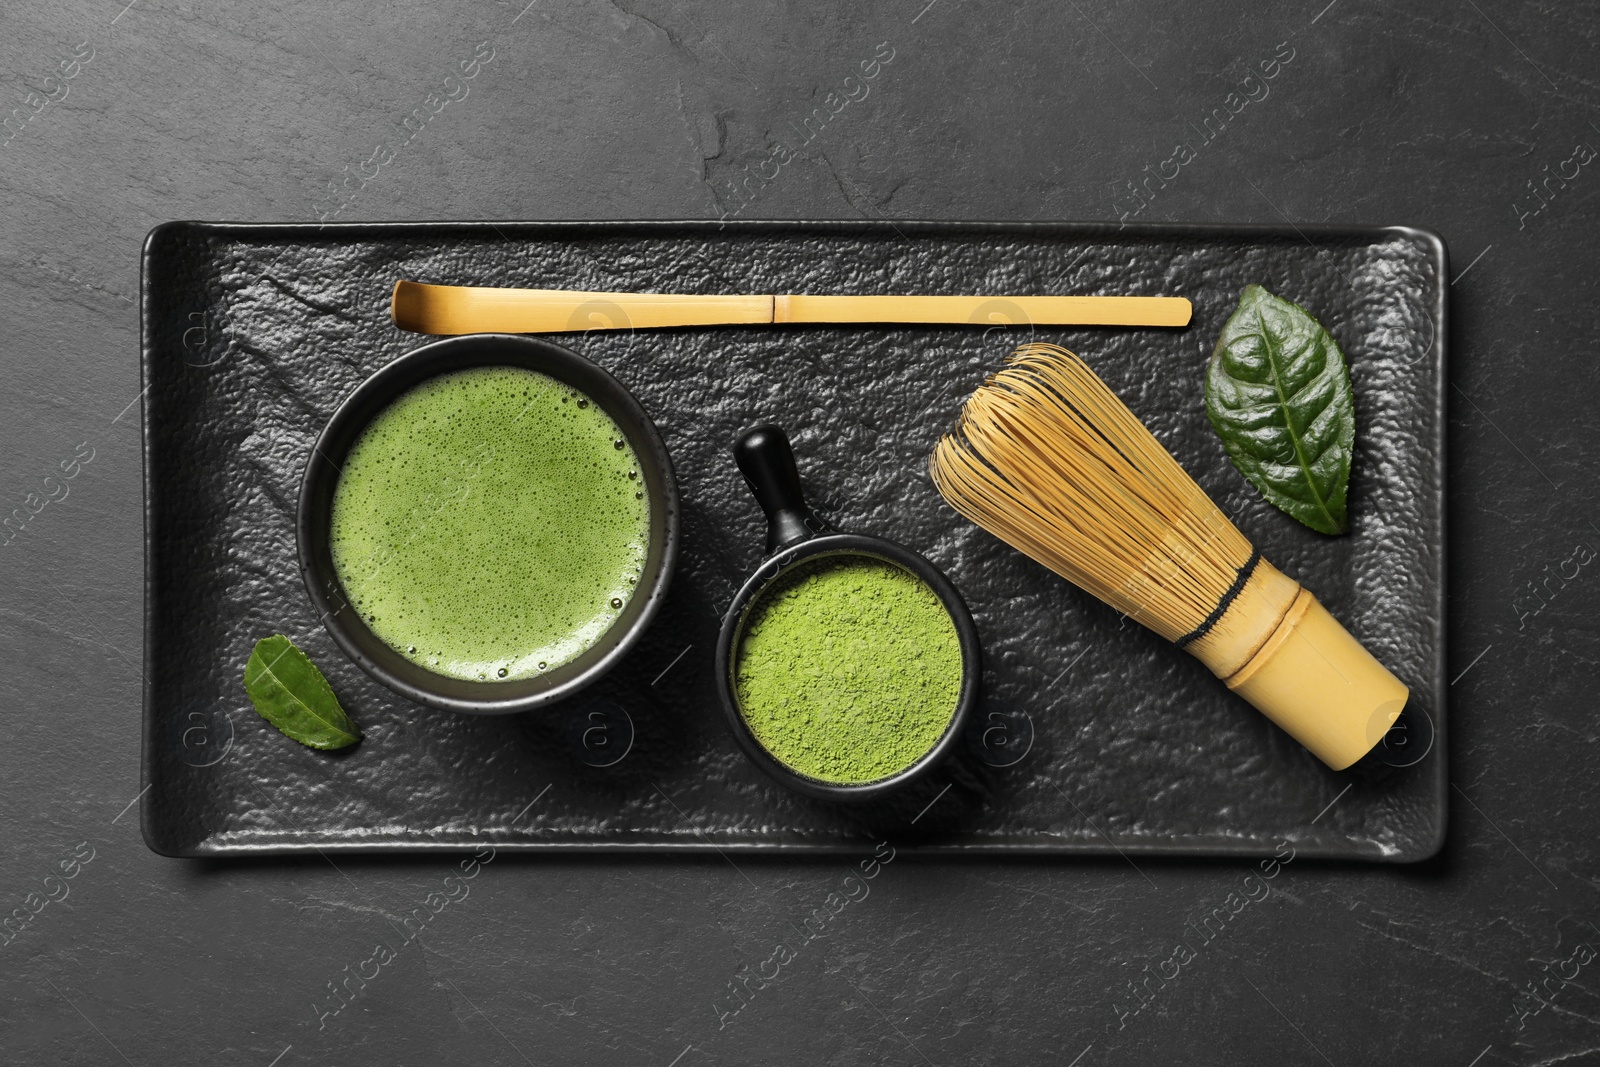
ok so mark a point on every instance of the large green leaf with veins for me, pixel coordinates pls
(1278, 394)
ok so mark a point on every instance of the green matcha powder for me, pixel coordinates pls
(849, 669)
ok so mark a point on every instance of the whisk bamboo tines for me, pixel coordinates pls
(1049, 460)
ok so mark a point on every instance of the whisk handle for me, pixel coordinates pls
(767, 463)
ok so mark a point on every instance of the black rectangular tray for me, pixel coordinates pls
(253, 334)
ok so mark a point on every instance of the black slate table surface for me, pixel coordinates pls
(1476, 119)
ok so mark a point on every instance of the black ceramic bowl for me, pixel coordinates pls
(345, 624)
(796, 536)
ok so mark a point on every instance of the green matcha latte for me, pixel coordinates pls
(490, 524)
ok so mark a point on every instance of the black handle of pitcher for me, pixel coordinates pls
(767, 462)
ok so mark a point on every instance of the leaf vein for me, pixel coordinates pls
(1272, 360)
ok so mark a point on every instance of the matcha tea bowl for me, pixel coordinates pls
(847, 664)
(488, 524)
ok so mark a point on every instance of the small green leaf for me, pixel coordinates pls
(1278, 394)
(291, 694)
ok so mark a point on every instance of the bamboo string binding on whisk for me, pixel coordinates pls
(1049, 460)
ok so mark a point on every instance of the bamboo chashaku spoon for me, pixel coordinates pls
(455, 309)
(1049, 460)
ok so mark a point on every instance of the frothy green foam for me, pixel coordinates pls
(491, 524)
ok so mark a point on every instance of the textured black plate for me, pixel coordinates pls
(253, 335)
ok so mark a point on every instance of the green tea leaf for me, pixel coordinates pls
(291, 694)
(1278, 394)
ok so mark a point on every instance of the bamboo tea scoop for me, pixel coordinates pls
(455, 309)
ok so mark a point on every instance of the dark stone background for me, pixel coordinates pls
(1432, 113)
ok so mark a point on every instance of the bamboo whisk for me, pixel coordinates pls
(1049, 460)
